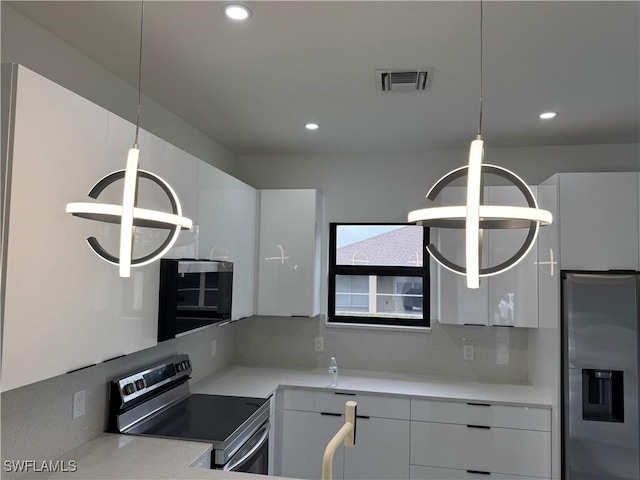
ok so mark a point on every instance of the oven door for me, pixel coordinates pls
(253, 456)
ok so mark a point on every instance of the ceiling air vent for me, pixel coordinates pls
(404, 80)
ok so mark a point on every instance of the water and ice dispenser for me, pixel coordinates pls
(602, 395)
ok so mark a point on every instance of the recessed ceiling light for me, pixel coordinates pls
(547, 115)
(312, 126)
(237, 11)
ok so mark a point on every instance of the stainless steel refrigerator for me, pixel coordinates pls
(600, 363)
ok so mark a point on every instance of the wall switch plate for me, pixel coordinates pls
(79, 403)
(214, 347)
(467, 352)
(319, 344)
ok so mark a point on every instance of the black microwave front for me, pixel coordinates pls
(193, 294)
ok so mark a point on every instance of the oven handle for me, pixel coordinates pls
(229, 467)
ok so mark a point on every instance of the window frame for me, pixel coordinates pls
(383, 271)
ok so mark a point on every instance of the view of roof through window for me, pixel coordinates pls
(379, 245)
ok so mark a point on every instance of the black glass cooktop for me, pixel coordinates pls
(202, 417)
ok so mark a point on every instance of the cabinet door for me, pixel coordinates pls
(513, 295)
(381, 450)
(289, 255)
(239, 237)
(599, 221)
(210, 213)
(459, 304)
(53, 281)
(500, 450)
(304, 438)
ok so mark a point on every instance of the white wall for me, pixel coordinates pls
(28, 44)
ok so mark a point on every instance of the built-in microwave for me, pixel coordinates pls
(193, 294)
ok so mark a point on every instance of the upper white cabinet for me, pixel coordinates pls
(289, 253)
(513, 295)
(227, 231)
(507, 299)
(459, 304)
(64, 308)
(239, 234)
(598, 220)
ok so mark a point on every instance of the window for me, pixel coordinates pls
(377, 274)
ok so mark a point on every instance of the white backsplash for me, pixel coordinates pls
(500, 354)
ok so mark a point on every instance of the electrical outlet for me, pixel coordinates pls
(319, 344)
(79, 403)
(467, 352)
(214, 347)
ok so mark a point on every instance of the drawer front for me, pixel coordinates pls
(437, 473)
(499, 450)
(478, 413)
(331, 402)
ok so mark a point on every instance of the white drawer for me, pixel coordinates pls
(380, 406)
(499, 450)
(479, 413)
(436, 473)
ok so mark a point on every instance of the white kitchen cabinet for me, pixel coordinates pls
(479, 437)
(211, 213)
(437, 473)
(598, 217)
(513, 295)
(304, 438)
(227, 231)
(54, 298)
(289, 253)
(489, 449)
(507, 299)
(459, 304)
(381, 451)
(239, 239)
(382, 434)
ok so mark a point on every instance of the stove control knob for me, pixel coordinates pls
(187, 364)
(179, 367)
(140, 384)
(129, 388)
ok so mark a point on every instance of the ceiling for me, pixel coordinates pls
(252, 86)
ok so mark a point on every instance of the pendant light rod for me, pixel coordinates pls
(135, 142)
(481, 75)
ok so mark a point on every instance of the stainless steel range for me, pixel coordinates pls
(156, 402)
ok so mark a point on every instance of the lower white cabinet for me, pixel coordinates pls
(401, 438)
(436, 473)
(304, 438)
(312, 417)
(472, 440)
(381, 450)
(480, 448)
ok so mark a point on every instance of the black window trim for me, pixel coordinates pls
(335, 270)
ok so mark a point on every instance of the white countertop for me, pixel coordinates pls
(262, 382)
(111, 456)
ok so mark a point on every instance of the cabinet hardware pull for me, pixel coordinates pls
(475, 324)
(479, 404)
(484, 427)
(366, 417)
(345, 393)
(479, 472)
(81, 368)
(113, 358)
(331, 414)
